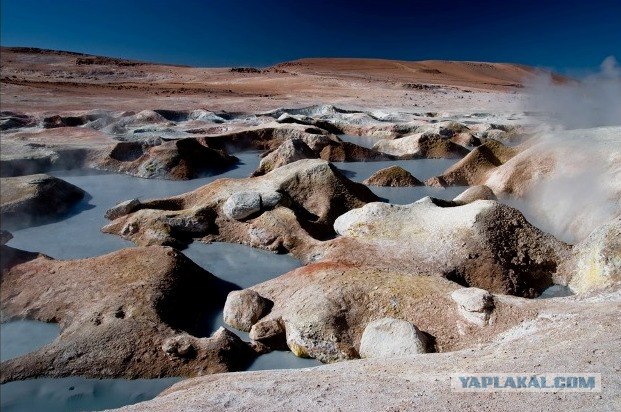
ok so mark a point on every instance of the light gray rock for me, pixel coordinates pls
(389, 337)
(243, 308)
(242, 204)
(289, 151)
(122, 209)
(475, 305)
(270, 200)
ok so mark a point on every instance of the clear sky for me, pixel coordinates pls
(569, 36)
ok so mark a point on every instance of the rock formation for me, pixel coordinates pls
(474, 168)
(474, 193)
(484, 244)
(288, 209)
(595, 263)
(132, 313)
(34, 198)
(180, 159)
(393, 176)
(289, 151)
(423, 145)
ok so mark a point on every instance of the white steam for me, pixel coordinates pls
(568, 104)
(583, 191)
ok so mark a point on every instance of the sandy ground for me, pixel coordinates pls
(35, 80)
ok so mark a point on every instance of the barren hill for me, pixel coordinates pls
(36, 79)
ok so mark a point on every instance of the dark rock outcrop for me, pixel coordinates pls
(180, 159)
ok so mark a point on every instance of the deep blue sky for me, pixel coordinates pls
(563, 35)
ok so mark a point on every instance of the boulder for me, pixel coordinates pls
(393, 176)
(240, 205)
(26, 200)
(185, 347)
(270, 332)
(289, 151)
(244, 308)
(389, 338)
(475, 304)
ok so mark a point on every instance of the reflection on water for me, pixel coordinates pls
(242, 265)
(22, 336)
(78, 394)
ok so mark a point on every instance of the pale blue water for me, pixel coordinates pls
(422, 169)
(22, 336)
(78, 394)
(79, 235)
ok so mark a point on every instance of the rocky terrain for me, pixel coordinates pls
(520, 272)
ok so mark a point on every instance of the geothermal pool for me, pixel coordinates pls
(78, 235)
